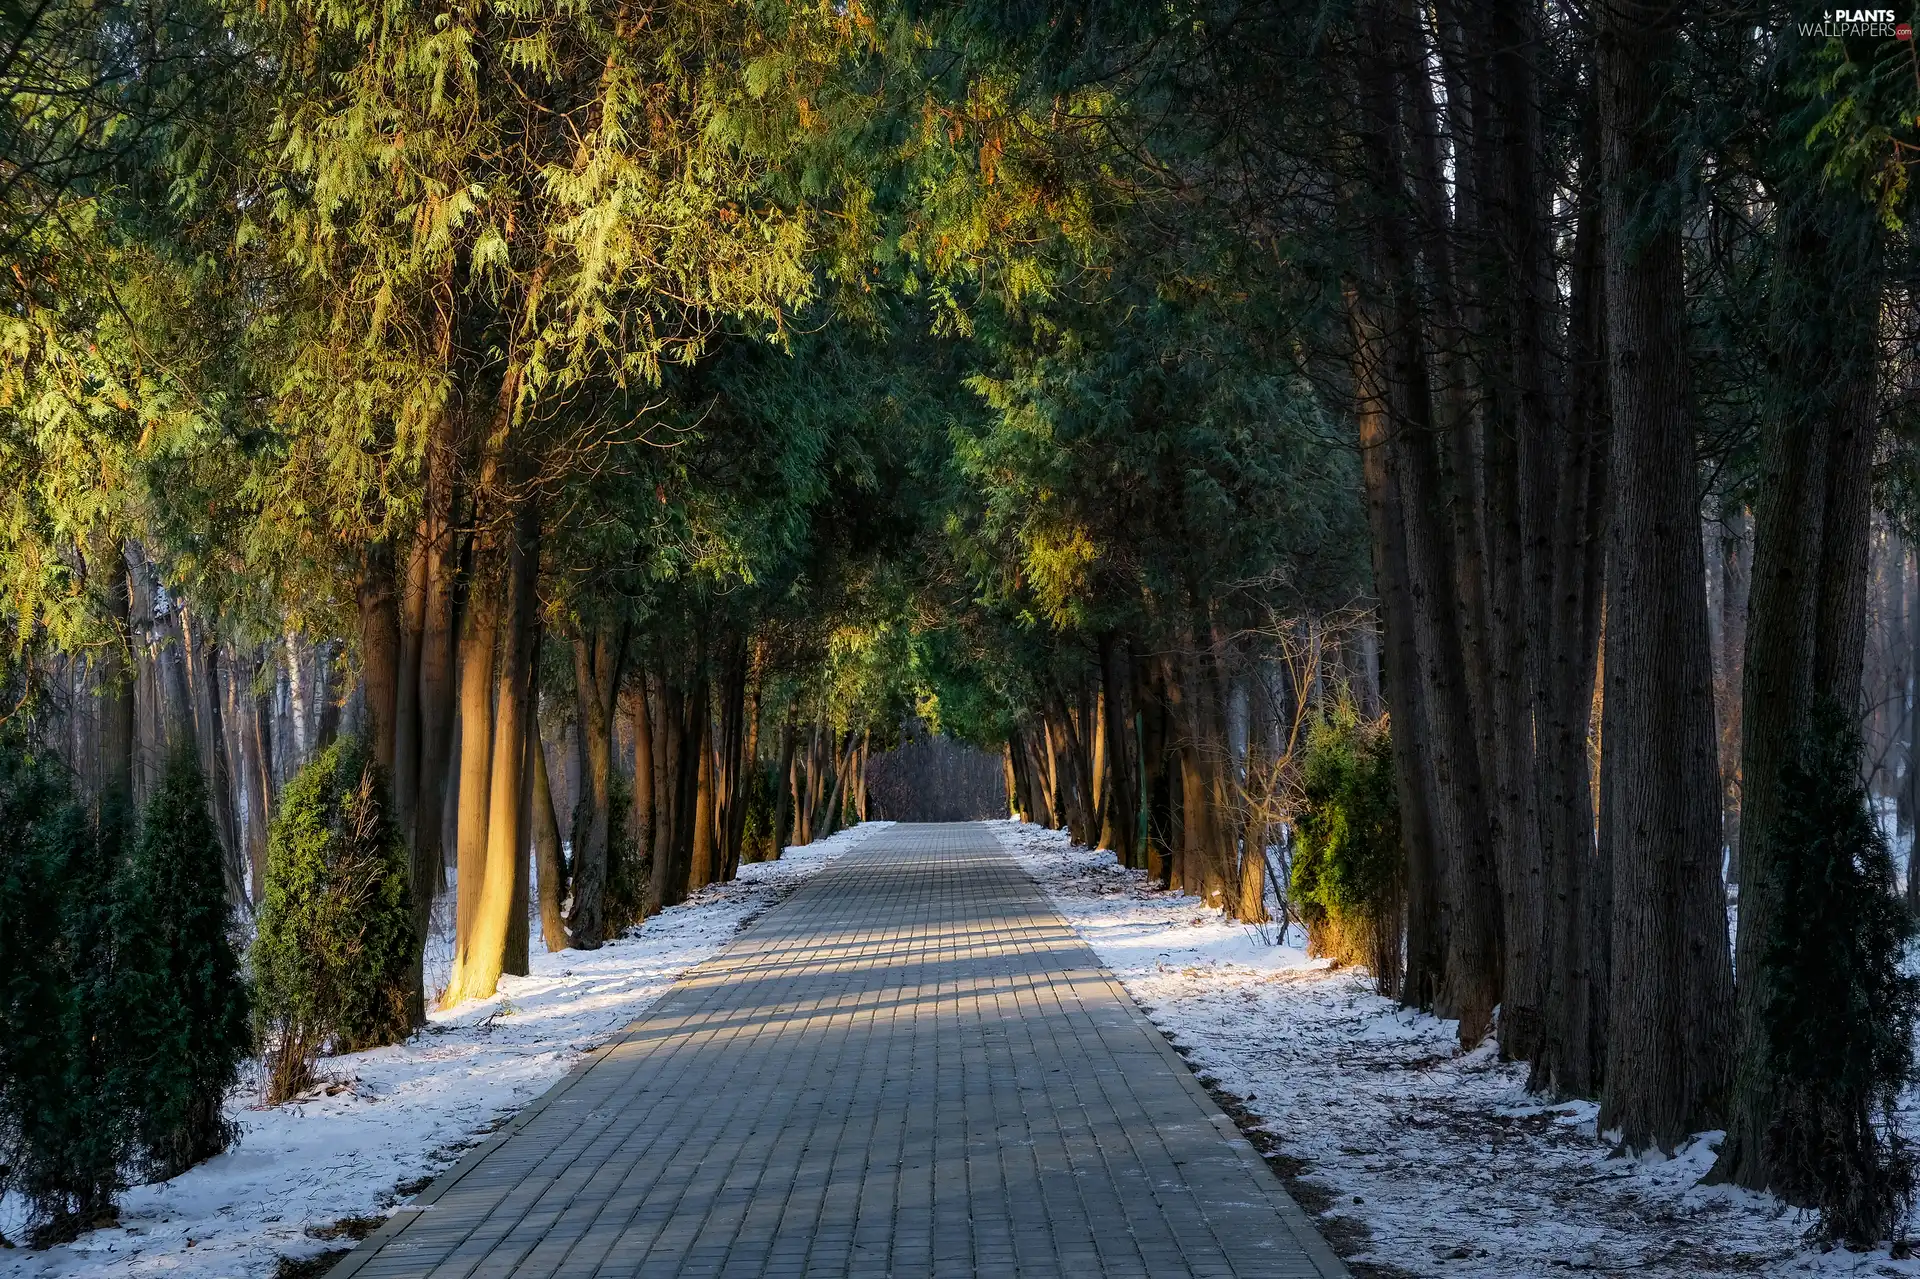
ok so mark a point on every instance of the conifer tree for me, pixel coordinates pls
(66, 1092)
(332, 961)
(179, 979)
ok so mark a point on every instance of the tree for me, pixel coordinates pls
(332, 960)
(1668, 1064)
(179, 979)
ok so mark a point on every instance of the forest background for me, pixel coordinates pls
(1442, 472)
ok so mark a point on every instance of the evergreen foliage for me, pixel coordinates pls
(756, 844)
(1347, 858)
(1840, 1008)
(627, 862)
(180, 981)
(332, 958)
(67, 1095)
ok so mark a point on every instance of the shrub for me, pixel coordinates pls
(756, 839)
(332, 961)
(1347, 859)
(66, 1101)
(1840, 1011)
(627, 862)
(180, 990)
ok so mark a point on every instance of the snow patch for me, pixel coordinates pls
(388, 1119)
(1419, 1158)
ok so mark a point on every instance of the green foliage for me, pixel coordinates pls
(180, 981)
(625, 903)
(332, 958)
(64, 1098)
(123, 1019)
(756, 843)
(1840, 1009)
(1347, 857)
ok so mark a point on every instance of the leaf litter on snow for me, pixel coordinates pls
(1415, 1158)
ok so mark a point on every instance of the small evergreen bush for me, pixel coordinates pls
(186, 1027)
(1347, 858)
(64, 1103)
(756, 840)
(332, 961)
(1839, 1008)
(627, 862)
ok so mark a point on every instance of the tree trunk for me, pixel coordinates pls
(244, 719)
(1671, 998)
(700, 869)
(380, 652)
(260, 720)
(1736, 577)
(668, 810)
(519, 959)
(546, 855)
(593, 682)
(1806, 620)
(201, 655)
(1911, 782)
(436, 695)
(411, 616)
(641, 715)
(474, 801)
(1120, 803)
(1571, 1052)
(478, 965)
(117, 719)
(783, 798)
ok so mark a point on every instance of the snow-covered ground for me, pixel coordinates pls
(1416, 1158)
(391, 1118)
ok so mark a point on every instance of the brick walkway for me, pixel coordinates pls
(911, 1067)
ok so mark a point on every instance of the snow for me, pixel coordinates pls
(1415, 1157)
(390, 1118)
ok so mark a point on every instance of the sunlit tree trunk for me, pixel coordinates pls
(700, 868)
(478, 966)
(477, 637)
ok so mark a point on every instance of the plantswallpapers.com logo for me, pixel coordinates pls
(1872, 23)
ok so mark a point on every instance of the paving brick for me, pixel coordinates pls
(910, 1068)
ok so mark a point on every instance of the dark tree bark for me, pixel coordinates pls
(117, 719)
(669, 877)
(436, 690)
(200, 654)
(548, 863)
(783, 797)
(1120, 809)
(1390, 71)
(1572, 568)
(1381, 378)
(594, 682)
(380, 652)
(640, 713)
(1670, 1013)
(1806, 624)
